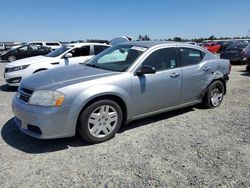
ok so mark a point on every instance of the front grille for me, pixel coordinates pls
(34, 129)
(25, 94)
(14, 80)
(24, 97)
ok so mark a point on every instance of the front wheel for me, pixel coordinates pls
(100, 121)
(11, 58)
(214, 95)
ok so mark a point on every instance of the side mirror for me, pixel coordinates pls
(68, 55)
(145, 69)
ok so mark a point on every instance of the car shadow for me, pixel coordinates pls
(246, 74)
(7, 88)
(156, 118)
(18, 140)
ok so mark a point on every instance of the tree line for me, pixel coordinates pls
(198, 40)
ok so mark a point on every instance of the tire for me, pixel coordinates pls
(11, 58)
(214, 95)
(248, 68)
(95, 125)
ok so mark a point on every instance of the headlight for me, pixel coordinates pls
(17, 68)
(46, 98)
(3, 53)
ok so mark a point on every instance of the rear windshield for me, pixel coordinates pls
(52, 44)
(237, 46)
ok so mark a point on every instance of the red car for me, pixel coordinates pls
(212, 47)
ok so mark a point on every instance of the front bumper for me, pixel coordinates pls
(53, 122)
(13, 78)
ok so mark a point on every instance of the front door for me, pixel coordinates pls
(79, 55)
(152, 92)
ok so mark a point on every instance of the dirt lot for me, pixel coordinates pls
(190, 147)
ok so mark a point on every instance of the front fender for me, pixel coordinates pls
(98, 91)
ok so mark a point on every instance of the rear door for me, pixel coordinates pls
(152, 92)
(195, 73)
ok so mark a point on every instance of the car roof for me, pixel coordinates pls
(86, 44)
(149, 44)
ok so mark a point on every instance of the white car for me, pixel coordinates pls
(66, 55)
(52, 45)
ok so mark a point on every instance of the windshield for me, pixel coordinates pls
(118, 58)
(58, 51)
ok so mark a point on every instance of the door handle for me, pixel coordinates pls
(206, 68)
(174, 75)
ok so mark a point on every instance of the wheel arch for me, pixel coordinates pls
(112, 97)
(40, 69)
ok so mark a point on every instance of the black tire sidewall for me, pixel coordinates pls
(14, 57)
(82, 127)
(207, 100)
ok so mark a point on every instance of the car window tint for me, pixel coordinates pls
(24, 48)
(33, 47)
(162, 59)
(52, 44)
(83, 51)
(189, 56)
(99, 49)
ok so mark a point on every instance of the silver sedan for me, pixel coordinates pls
(123, 83)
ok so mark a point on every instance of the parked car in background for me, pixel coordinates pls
(246, 57)
(66, 55)
(24, 52)
(52, 45)
(233, 52)
(123, 83)
(212, 47)
(2, 47)
(225, 44)
(193, 43)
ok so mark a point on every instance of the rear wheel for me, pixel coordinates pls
(214, 95)
(11, 58)
(100, 121)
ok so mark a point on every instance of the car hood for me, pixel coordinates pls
(63, 76)
(30, 60)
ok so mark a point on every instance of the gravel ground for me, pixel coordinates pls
(189, 147)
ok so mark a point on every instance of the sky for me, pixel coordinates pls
(27, 20)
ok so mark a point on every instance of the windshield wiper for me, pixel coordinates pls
(92, 65)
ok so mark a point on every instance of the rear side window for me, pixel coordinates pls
(189, 56)
(83, 51)
(162, 59)
(99, 49)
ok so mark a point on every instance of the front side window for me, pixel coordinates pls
(117, 58)
(189, 56)
(24, 48)
(58, 51)
(162, 59)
